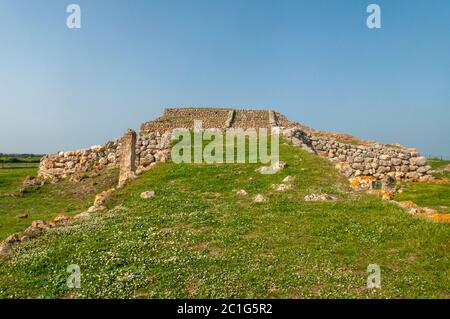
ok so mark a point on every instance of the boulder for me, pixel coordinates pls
(5, 250)
(259, 198)
(147, 194)
(418, 161)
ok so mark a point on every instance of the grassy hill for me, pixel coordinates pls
(198, 238)
(46, 202)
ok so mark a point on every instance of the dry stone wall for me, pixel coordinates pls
(251, 119)
(183, 118)
(150, 148)
(373, 159)
(94, 158)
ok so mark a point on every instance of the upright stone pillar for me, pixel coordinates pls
(127, 157)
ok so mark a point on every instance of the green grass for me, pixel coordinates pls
(11, 178)
(197, 238)
(436, 196)
(19, 160)
(47, 201)
(437, 164)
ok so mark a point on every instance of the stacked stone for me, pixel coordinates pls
(375, 159)
(64, 164)
(152, 147)
(251, 119)
(184, 118)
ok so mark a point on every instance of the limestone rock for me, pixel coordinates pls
(276, 167)
(147, 194)
(61, 218)
(287, 179)
(281, 187)
(81, 215)
(5, 250)
(241, 192)
(259, 198)
(12, 239)
(127, 157)
(419, 161)
(319, 197)
(101, 198)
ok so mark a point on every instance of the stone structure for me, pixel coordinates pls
(150, 147)
(365, 159)
(353, 157)
(64, 164)
(127, 157)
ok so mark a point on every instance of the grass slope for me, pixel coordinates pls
(197, 238)
(46, 202)
(11, 178)
(436, 196)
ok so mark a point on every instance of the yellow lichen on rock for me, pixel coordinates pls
(362, 182)
(426, 212)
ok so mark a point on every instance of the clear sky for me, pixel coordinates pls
(315, 61)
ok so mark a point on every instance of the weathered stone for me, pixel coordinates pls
(259, 198)
(419, 161)
(287, 179)
(127, 157)
(81, 215)
(101, 198)
(103, 161)
(147, 194)
(39, 224)
(147, 160)
(5, 250)
(12, 239)
(389, 183)
(281, 187)
(61, 218)
(319, 197)
(423, 169)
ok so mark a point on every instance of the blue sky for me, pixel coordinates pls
(315, 61)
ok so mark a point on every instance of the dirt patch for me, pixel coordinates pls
(411, 258)
(214, 251)
(317, 289)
